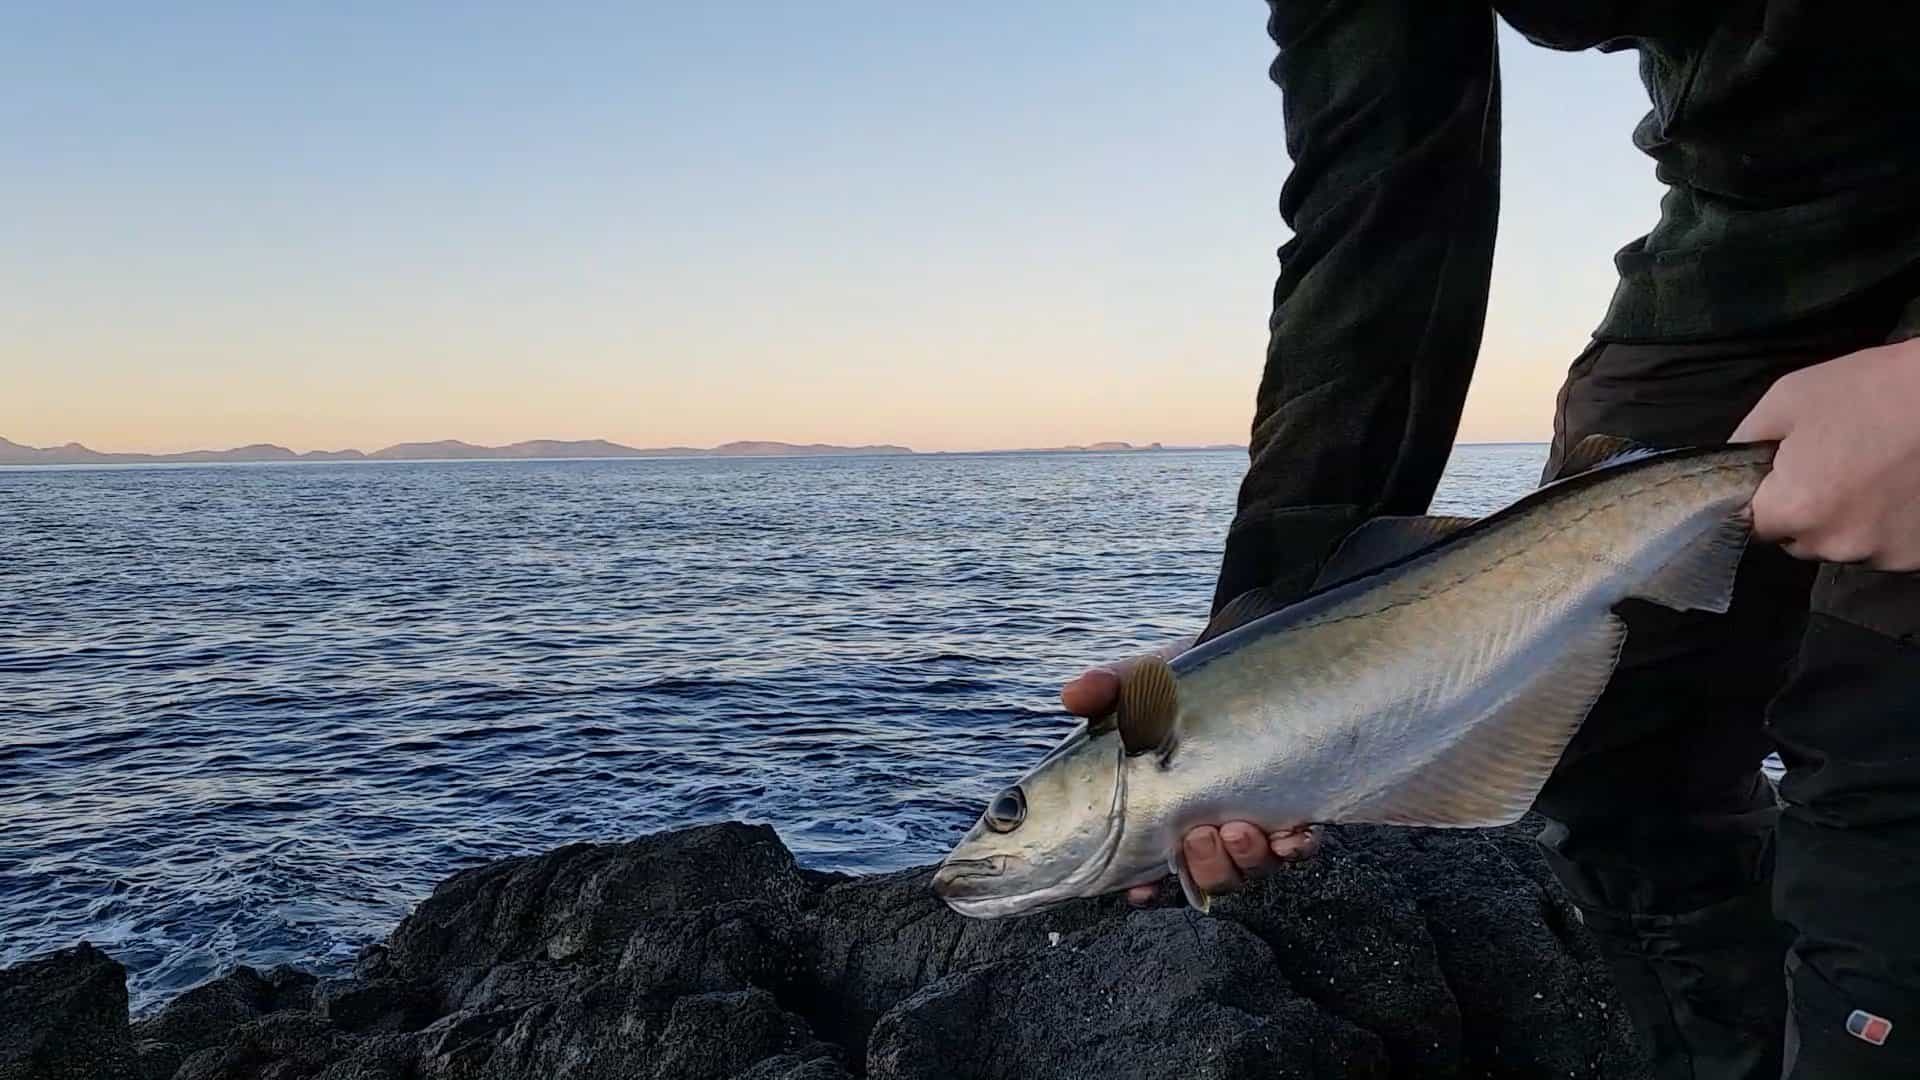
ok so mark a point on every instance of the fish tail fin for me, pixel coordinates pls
(1700, 577)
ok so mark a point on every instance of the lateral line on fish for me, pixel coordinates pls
(1445, 587)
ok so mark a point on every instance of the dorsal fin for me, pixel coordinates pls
(1384, 540)
(1374, 544)
(1149, 705)
(1240, 611)
(1595, 451)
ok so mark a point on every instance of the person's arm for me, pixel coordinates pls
(1392, 120)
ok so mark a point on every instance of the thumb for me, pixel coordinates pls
(1095, 691)
(1174, 648)
(1770, 421)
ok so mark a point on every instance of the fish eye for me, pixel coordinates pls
(1007, 810)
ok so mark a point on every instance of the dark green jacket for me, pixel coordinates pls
(1787, 133)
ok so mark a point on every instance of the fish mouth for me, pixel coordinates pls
(961, 879)
(994, 907)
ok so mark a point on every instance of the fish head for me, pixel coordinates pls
(1046, 839)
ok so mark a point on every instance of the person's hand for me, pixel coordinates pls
(1845, 485)
(1220, 859)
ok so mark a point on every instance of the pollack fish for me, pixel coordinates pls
(1433, 677)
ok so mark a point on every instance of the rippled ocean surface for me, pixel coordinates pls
(252, 713)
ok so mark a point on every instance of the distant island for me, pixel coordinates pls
(73, 453)
(1119, 447)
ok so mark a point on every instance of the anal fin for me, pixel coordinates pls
(1492, 772)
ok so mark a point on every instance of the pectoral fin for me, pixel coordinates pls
(1196, 899)
(1149, 706)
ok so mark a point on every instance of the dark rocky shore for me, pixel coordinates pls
(707, 953)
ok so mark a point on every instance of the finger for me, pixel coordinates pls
(1208, 863)
(1092, 693)
(1294, 844)
(1850, 548)
(1841, 549)
(1142, 895)
(1764, 510)
(1246, 845)
(1896, 562)
(1785, 510)
(1769, 420)
(1174, 648)
(1800, 550)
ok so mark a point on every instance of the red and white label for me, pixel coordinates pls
(1867, 1027)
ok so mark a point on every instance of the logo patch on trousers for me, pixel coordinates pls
(1867, 1027)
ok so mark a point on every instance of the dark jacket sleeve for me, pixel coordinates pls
(1908, 327)
(1392, 121)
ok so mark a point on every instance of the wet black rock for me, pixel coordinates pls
(203, 1016)
(208, 1014)
(370, 1005)
(1158, 993)
(63, 1016)
(707, 953)
(529, 928)
(873, 942)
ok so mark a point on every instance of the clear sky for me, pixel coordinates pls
(961, 226)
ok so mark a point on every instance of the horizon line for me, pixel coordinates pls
(669, 449)
(589, 447)
(72, 454)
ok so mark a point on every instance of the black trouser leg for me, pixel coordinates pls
(1848, 875)
(1661, 825)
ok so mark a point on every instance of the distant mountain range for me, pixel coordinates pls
(1120, 447)
(12, 453)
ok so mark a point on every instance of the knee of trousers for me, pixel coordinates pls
(1703, 987)
(1699, 923)
(1651, 865)
(1853, 1031)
